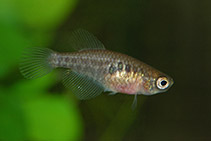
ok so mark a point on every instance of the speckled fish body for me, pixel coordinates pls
(93, 70)
(116, 72)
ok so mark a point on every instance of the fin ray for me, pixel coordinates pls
(82, 86)
(134, 105)
(83, 40)
(34, 62)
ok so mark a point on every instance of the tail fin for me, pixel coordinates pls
(35, 62)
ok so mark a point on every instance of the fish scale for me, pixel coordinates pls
(94, 69)
(102, 66)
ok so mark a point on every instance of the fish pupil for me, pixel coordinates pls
(163, 83)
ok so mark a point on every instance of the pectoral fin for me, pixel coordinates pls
(82, 86)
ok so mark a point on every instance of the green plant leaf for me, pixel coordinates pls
(44, 13)
(52, 118)
(12, 125)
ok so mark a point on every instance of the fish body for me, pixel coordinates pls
(90, 71)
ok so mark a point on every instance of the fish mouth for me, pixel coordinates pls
(171, 82)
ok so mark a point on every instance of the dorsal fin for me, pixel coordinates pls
(81, 39)
(82, 86)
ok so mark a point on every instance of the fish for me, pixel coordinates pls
(92, 69)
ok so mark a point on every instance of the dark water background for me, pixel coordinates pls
(172, 36)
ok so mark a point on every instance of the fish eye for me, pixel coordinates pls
(162, 83)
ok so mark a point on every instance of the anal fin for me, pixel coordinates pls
(82, 86)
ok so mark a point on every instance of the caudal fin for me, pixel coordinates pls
(35, 62)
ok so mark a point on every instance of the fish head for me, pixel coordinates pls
(156, 83)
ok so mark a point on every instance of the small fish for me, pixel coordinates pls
(93, 69)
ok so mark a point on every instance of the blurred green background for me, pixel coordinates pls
(173, 36)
